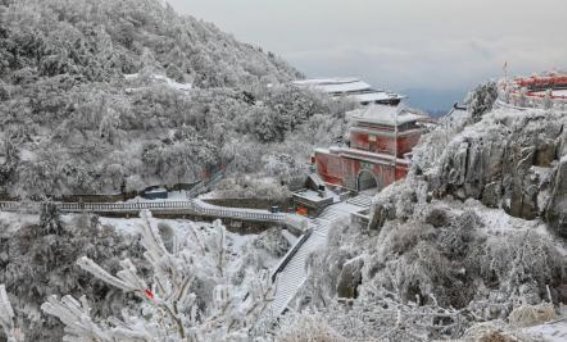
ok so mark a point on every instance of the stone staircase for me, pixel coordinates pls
(291, 278)
(294, 275)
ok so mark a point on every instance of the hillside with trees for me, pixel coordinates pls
(104, 97)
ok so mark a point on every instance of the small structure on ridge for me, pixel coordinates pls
(351, 88)
(378, 150)
(543, 92)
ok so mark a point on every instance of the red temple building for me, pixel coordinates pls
(377, 152)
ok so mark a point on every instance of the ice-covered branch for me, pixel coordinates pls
(127, 279)
(7, 317)
(76, 317)
(79, 326)
(172, 309)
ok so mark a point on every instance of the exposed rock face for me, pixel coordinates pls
(398, 202)
(511, 160)
(274, 242)
(514, 160)
(349, 278)
(556, 211)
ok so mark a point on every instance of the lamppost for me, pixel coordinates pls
(395, 154)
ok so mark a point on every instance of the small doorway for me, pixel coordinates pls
(366, 181)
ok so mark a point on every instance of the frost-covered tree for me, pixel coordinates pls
(37, 260)
(282, 166)
(7, 318)
(169, 306)
(86, 81)
(481, 99)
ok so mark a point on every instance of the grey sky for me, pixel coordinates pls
(444, 46)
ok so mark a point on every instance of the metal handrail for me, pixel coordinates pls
(192, 206)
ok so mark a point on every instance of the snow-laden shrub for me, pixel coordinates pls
(528, 315)
(454, 241)
(482, 99)
(273, 242)
(38, 260)
(495, 331)
(421, 275)
(307, 328)
(249, 187)
(398, 239)
(511, 260)
(282, 167)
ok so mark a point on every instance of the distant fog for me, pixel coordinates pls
(444, 46)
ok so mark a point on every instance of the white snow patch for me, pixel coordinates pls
(184, 87)
(27, 155)
(171, 196)
(12, 222)
(292, 239)
(550, 332)
(497, 221)
(177, 195)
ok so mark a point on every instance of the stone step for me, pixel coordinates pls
(361, 201)
(292, 277)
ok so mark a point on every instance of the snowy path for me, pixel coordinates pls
(191, 207)
(552, 331)
(289, 278)
(292, 277)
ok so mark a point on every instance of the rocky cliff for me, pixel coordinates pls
(475, 232)
(510, 159)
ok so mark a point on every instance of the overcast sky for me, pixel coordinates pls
(430, 48)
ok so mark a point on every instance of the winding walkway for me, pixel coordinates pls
(188, 207)
(289, 276)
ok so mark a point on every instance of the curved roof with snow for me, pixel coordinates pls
(353, 88)
(385, 115)
(335, 85)
(376, 96)
(325, 81)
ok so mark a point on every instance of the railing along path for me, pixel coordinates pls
(195, 206)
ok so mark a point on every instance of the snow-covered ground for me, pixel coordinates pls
(11, 222)
(171, 196)
(184, 87)
(549, 332)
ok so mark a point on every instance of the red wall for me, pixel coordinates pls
(330, 168)
(344, 172)
(360, 140)
(407, 143)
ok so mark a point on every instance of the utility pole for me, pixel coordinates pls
(396, 140)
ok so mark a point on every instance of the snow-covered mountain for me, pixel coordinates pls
(75, 121)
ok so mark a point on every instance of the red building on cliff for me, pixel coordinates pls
(378, 150)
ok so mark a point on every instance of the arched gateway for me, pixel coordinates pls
(380, 140)
(366, 180)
